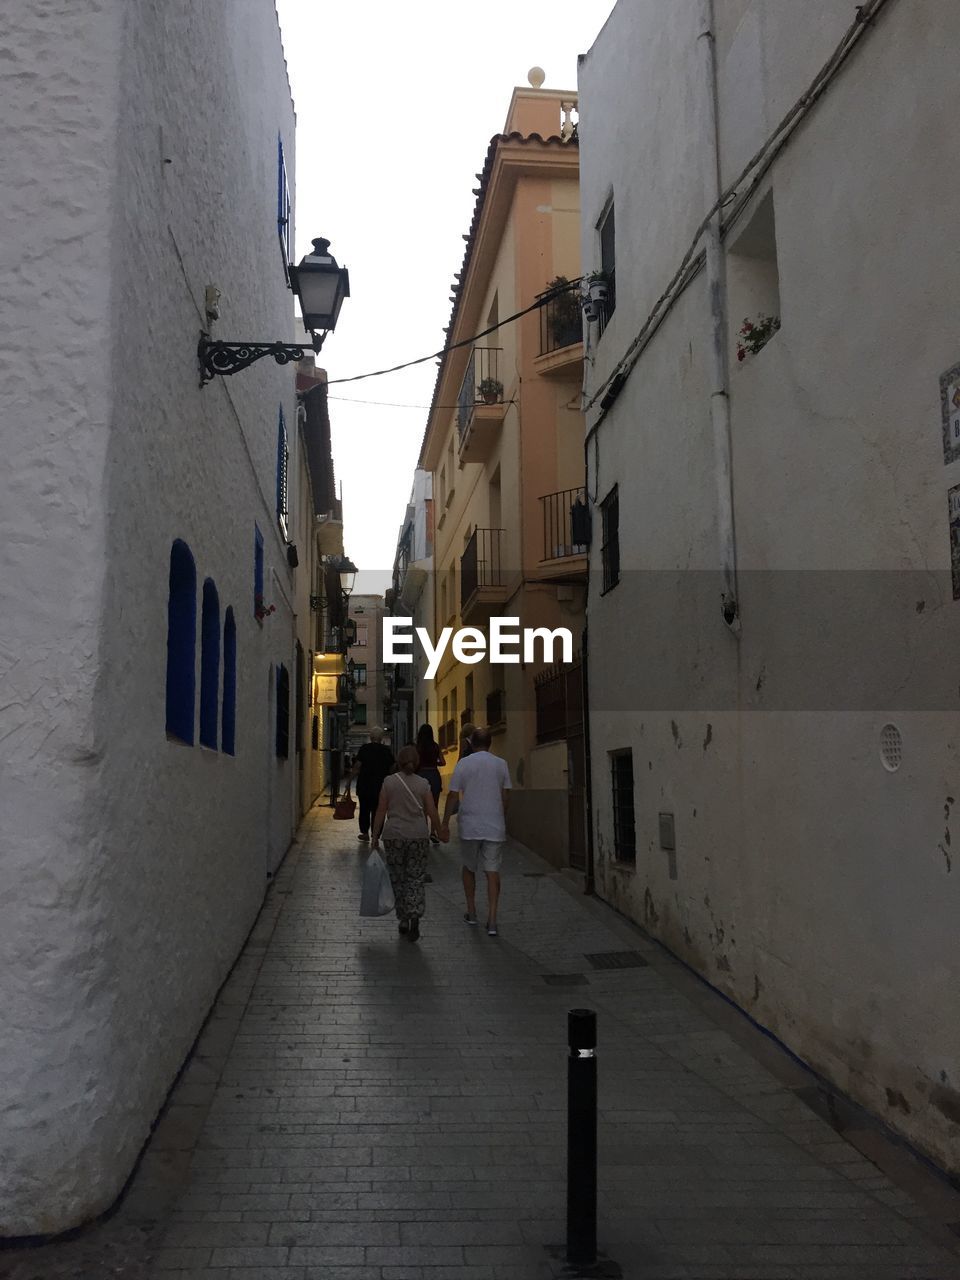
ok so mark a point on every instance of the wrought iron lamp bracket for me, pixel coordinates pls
(225, 358)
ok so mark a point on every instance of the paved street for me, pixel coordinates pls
(364, 1108)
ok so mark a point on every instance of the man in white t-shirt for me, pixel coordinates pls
(478, 794)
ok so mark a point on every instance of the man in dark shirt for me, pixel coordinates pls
(371, 765)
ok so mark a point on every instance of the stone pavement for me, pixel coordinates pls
(364, 1108)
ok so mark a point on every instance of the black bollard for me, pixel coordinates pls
(582, 1138)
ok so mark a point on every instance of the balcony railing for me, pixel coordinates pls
(560, 322)
(480, 563)
(566, 524)
(479, 382)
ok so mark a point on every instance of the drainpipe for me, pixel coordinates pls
(717, 285)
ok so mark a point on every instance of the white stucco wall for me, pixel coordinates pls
(144, 160)
(814, 887)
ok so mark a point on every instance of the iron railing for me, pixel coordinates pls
(559, 697)
(483, 367)
(566, 524)
(560, 321)
(480, 563)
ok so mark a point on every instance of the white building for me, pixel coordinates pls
(774, 780)
(148, 785)
(412, 597)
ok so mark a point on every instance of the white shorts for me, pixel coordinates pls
(483, 854)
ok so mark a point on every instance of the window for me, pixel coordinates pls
(361, 640)
(283, 712)
(283, 467)
(181, 643)
(360, 713)
(610, 551)
(257, 574)
(360, 674)
(228, 723)
(753, 281)
(209, 665)
(284, 210)
(608, 260)
(496, 708)
(466, 716)
(624, 830)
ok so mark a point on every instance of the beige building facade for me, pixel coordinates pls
(507, 458)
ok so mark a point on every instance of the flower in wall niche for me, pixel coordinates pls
(261, 610)
(755, 334)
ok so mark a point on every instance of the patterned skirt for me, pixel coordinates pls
(407, 862)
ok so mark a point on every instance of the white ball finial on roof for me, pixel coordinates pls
(536, 77)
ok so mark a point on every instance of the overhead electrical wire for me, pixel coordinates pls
(465, 342)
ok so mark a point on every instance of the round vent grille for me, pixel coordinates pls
(891, 747)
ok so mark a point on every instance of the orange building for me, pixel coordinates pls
(504, 442)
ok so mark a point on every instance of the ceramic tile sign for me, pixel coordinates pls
(954, 496)
(950, 408)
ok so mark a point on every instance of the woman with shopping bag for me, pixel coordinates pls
(406, 815)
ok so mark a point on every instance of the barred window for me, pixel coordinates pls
(610, 550)
(624, 822)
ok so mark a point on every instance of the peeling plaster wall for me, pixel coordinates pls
(814, 887)
(144, 168)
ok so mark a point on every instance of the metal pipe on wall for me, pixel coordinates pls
(717, 289)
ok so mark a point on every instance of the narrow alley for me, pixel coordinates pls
(363, 1108)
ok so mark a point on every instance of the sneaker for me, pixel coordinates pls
(404, 926)
(363, 836)
(413, 932)
(468, 918)
(434, 839)
(492, 931)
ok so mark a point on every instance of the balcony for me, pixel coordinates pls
(481, 408)
(482, 587)
(566, 534)
(561, 334)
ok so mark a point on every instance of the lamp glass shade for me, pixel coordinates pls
(348, 574)
(321, 286)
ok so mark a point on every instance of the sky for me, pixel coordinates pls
(396, 105)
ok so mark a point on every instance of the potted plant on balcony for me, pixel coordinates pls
(490, 390)
(563, 315)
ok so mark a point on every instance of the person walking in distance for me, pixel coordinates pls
(478, 794)
(405, 813)
(466, 733)
(371, 765)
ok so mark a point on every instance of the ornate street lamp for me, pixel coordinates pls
(320, 285)
(348, 575)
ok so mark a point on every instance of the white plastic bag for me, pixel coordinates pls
(376, 896)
